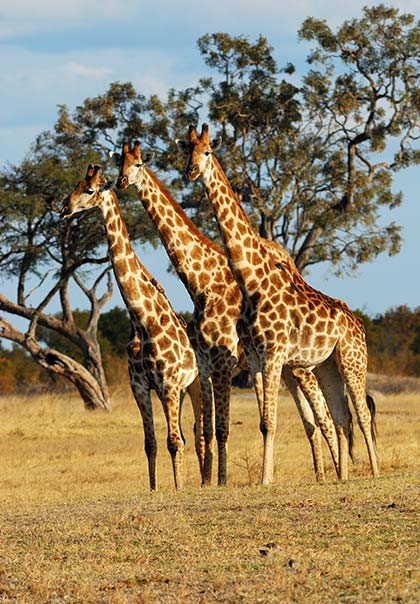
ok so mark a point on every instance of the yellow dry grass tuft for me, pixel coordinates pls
(78, 525)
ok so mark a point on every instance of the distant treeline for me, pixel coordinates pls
(393, 341)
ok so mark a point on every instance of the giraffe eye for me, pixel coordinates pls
(139, 165)
(207, 153)
(90, 191)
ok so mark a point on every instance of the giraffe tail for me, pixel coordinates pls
(351, 437)
(372, 408)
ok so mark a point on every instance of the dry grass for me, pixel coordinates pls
(78, 525)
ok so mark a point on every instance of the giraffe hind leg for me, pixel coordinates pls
(311, 427)
(354, 376)
(372, 408)
(171, 403)
(333, 387)
(314, 394)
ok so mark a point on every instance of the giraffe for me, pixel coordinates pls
(284, 320)
(203, 268)
(160, 355)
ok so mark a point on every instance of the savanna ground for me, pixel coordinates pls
(78, 524)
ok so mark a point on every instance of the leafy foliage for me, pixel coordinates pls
(311, 162)
(393, 341)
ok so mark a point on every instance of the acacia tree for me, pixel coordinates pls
(314, 165)
(363, 104)
(42, 256)
(311, 161)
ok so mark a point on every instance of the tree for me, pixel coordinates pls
(363, 104)
(115, 327)
(313, 166)
(312, 163)
(393, 341)
(43, 256)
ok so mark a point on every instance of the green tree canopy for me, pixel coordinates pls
(311, 160)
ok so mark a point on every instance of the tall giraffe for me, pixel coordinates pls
(283, 319)
(160, 355)
(203, 268)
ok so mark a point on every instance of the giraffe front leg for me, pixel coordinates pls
(144, 403)
(175, 443)
(268, 418)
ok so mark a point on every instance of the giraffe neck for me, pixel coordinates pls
(189, 251)
(242, 244)
(135, 282)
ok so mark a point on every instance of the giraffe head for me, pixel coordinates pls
(131, 164)
(86, 194)
(198, 150)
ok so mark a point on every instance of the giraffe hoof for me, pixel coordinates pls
(272, 545)
(269, 548)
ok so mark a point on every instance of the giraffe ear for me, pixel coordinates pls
(116, 157)
(147, 156)
(106, 185)
(181, 144)
(216, 143)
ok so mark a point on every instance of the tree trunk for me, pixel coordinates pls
(93, 393)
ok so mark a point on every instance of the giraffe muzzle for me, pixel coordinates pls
(65, 211)
(122, 183)
(193, 173)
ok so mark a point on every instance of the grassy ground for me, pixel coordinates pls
(78, 525)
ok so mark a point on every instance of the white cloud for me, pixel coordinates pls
(85, 71)
(29, 17)
(76, 10)
(34, 83)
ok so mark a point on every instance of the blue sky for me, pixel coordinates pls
(60, 53)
